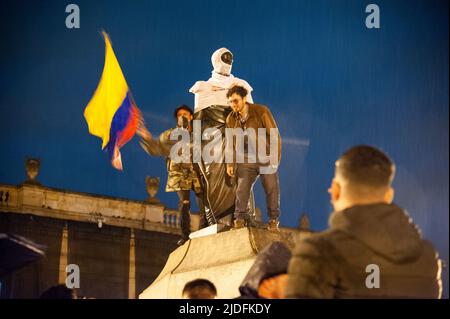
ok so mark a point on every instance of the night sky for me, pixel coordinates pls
(330, 82)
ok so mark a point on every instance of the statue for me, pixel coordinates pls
(32, 166)
(152, 189)
(304, 223)
(212, 109)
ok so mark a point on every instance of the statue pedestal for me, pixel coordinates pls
(224, 258)
(210, 230)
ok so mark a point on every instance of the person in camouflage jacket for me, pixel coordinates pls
(182, 177)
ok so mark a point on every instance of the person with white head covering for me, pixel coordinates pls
(211, 107)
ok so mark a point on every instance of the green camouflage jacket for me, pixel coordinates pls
(181, 176)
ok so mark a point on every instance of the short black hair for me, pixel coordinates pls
(193, 288)
(182, 107)
(240, 90)
(367, 166)
(59, 292)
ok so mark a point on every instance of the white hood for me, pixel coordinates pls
(218, 65)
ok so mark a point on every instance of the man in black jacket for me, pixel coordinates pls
(372, 248)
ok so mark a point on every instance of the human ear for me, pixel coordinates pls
(389, 195)
(335, 191)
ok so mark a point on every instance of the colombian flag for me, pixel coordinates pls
(112, 114)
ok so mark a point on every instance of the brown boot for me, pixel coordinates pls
(239, 223)
(273, 225)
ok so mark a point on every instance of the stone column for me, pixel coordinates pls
(63, 256)
(132, 269)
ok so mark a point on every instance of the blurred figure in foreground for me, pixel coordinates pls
(59, 292)
(372, 248)
(199, 289)
(267, 277)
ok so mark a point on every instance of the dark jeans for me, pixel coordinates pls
(184, 207)
(246, 178)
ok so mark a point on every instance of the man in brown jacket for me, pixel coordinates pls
(259, 138)
(372, 248)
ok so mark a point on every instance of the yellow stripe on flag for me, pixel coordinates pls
(108, 96)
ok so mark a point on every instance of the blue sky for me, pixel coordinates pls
(330, 82)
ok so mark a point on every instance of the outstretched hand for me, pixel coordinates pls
(142, 131)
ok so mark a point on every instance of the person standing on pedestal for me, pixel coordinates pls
(251, 118)
(182, 177)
